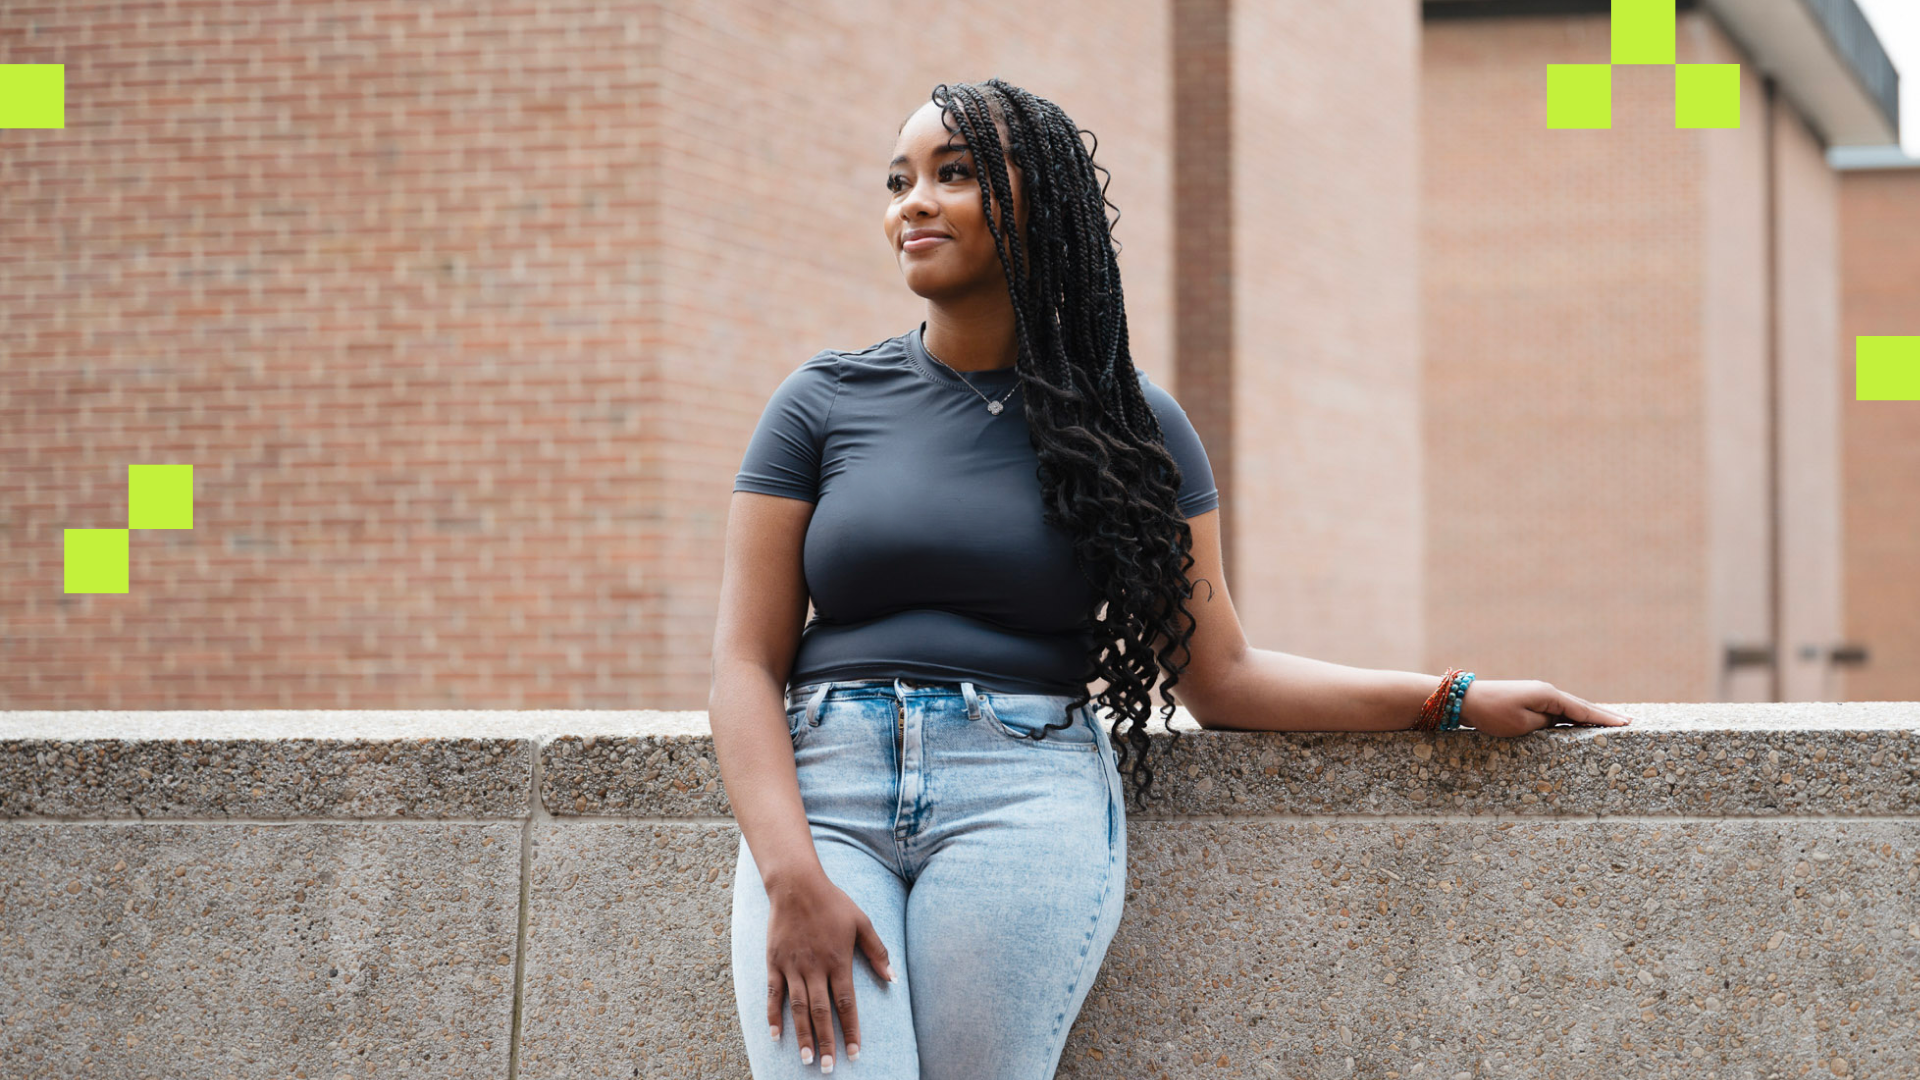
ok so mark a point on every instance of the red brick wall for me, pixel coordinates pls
(1809, 299)
(1203, 245)
(1564, 292)
(787, 116)
(449, 307)
(1734, 329)
(1880, 273)
(1326, 503)
(377, 271)
(1595, 323)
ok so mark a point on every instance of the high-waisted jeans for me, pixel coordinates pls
(992, 865)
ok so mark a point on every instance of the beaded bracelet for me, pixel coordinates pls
(1442, 709)
(1430, 712)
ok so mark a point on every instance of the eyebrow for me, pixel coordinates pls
(902, 159)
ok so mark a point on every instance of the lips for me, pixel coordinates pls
(924, 242)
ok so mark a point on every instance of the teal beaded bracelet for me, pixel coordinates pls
(1455, 692)
(1441, 711)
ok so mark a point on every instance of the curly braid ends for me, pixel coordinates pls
(1105, 473)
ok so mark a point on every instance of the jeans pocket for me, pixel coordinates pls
(1021, 721)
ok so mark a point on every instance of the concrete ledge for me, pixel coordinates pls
(1721, 890)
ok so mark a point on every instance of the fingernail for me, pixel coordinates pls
(774, 1029)
(853, 1051)
(891, 977)
(806, 1055)
(826, 1063)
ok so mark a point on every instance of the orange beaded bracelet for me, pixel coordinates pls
(1441, 712)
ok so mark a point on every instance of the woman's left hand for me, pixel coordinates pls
(1506, 708)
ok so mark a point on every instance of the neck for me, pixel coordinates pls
(973, 338)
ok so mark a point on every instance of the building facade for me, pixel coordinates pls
(1633, 397)
(465, 326)
(1880, 296)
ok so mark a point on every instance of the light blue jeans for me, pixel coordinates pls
(992, 865)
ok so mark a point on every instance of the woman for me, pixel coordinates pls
(988, 513)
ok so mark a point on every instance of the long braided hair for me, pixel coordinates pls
(1105, 473)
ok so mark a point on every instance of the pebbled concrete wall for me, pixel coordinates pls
(1724, 891)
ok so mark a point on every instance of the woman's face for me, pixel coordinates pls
(932, 187)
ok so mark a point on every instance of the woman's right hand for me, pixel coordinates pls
(812, 933)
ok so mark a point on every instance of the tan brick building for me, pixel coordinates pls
(1880, 295)
(1633, 398)
(464, 316)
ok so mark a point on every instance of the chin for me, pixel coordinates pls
(940, 279)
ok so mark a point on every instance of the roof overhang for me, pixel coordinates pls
(1823, 55)
(1827, 59)
(1848, 158)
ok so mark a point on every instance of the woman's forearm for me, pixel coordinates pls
(747, 712)
(1276, 691)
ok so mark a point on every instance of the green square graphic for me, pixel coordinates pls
(1886, 368)
(1579, 95)
(33, 95)
(1706, 95)
(96, 560)
(159, 496)
(1643, 31)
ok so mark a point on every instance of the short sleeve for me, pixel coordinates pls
(1197, 493)
(783, 456)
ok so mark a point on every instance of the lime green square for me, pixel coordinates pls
(159, 496)
(1643, 31)
(1579, 95)
(33, 95)
(96, 560)
(1706, 95)
(1886, 368)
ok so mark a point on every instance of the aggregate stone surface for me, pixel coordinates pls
(224, 950)
(629, 969)
(1718, 891)
(293, 764)
(1724, 949)
(1850, 759)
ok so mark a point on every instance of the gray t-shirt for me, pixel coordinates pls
(926, 556)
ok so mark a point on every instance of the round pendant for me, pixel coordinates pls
(993, 407)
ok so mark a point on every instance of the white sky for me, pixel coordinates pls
(1897, 24)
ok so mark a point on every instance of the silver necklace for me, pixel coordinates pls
(993, 407)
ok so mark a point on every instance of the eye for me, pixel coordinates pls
(893, 181)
